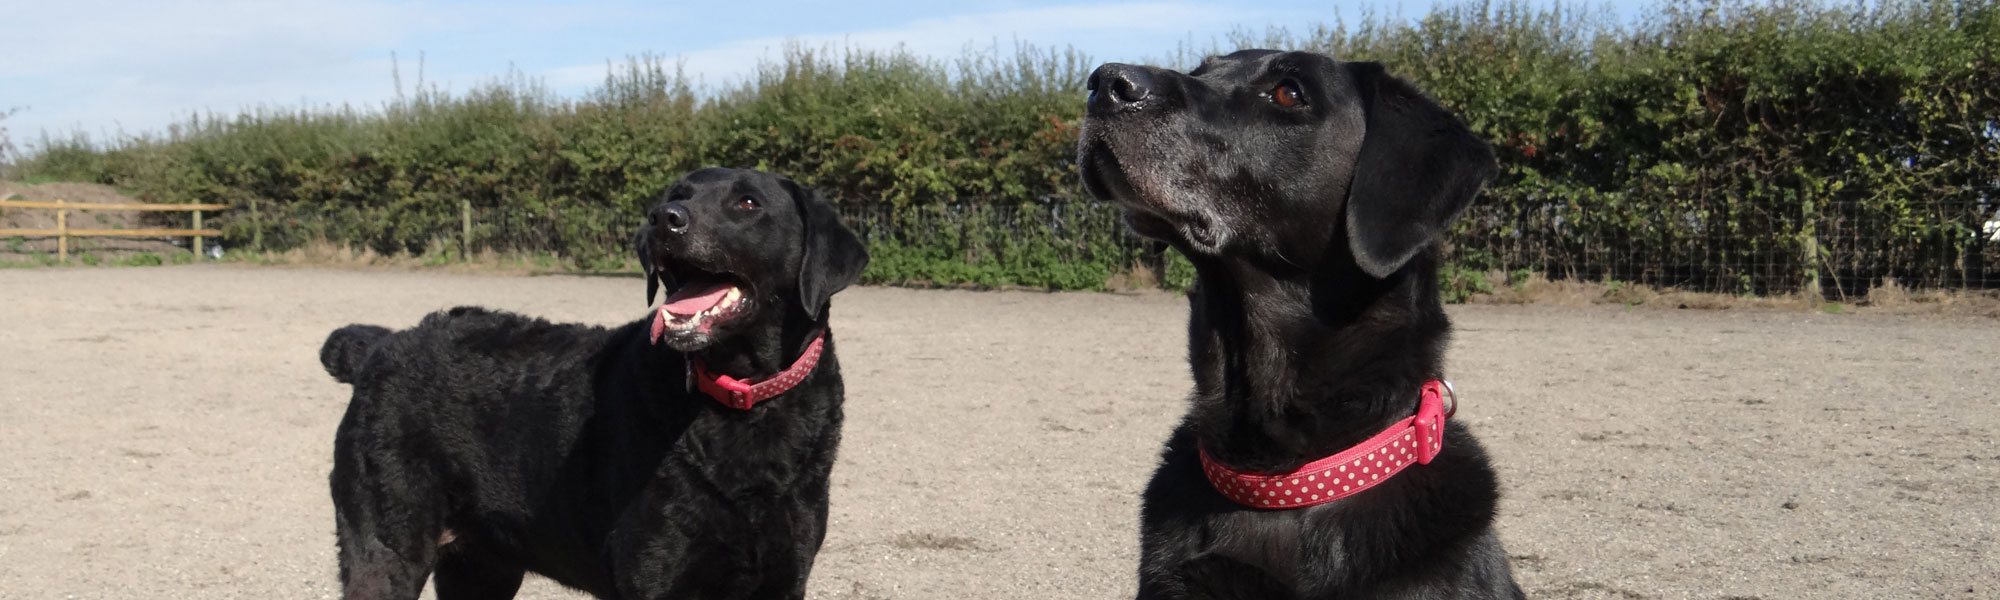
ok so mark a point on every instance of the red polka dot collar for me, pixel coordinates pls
(1415, 440)
(742, 395)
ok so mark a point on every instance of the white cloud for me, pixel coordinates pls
(1154, 22)
(130, 66)
(129, 105)
(63, 37)
(106, 66)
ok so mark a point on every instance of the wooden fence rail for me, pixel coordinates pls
(62, 232)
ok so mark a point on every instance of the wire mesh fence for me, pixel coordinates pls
(1045, 242)
(1839, 249)
(1861, 245)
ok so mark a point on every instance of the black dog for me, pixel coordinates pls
(1309, 194)
(483, 444)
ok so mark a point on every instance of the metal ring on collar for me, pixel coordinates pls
(1450, 398)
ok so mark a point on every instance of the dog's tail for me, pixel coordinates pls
(347, 348)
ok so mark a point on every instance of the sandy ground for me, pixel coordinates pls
(166, 433)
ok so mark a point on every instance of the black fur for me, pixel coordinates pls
(482, 445)
(1314, 322)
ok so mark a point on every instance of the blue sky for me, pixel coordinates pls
(111, 67)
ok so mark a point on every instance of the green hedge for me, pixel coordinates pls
(1726, 146)
(1741, 147)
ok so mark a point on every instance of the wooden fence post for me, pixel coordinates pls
(1809, 249)
(465, 231)
(62, 232)
(256, 227)
(198, 254)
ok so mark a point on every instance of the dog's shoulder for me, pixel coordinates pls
(473, 339)
(477, 329)
(464, 319)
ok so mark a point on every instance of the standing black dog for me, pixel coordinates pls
(637, 462)
(1309, 194)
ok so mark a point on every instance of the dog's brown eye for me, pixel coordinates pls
(747, 203)
(1286, 95)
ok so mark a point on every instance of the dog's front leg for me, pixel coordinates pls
(1212, 577)
(671, 565)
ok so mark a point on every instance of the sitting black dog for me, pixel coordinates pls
(681, 456)
(1316, 460)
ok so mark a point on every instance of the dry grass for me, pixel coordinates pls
(1536, 289)
(1139, 277)
(1889, 298)
(326, 254)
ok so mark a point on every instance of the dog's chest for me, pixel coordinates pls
(772, 457)
(1272, 541)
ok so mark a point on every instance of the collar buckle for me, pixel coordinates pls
(1429, 422)
(741, 395)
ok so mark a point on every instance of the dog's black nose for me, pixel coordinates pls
(1117, 85)
(673, 216)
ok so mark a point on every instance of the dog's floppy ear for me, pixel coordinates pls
(830, 256)
(1419, 167)
(642, 243)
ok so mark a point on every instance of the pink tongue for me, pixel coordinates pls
(690, 300)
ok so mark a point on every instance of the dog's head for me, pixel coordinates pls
(1279, 156)
(737, 249)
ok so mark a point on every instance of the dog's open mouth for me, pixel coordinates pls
(699, 305)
